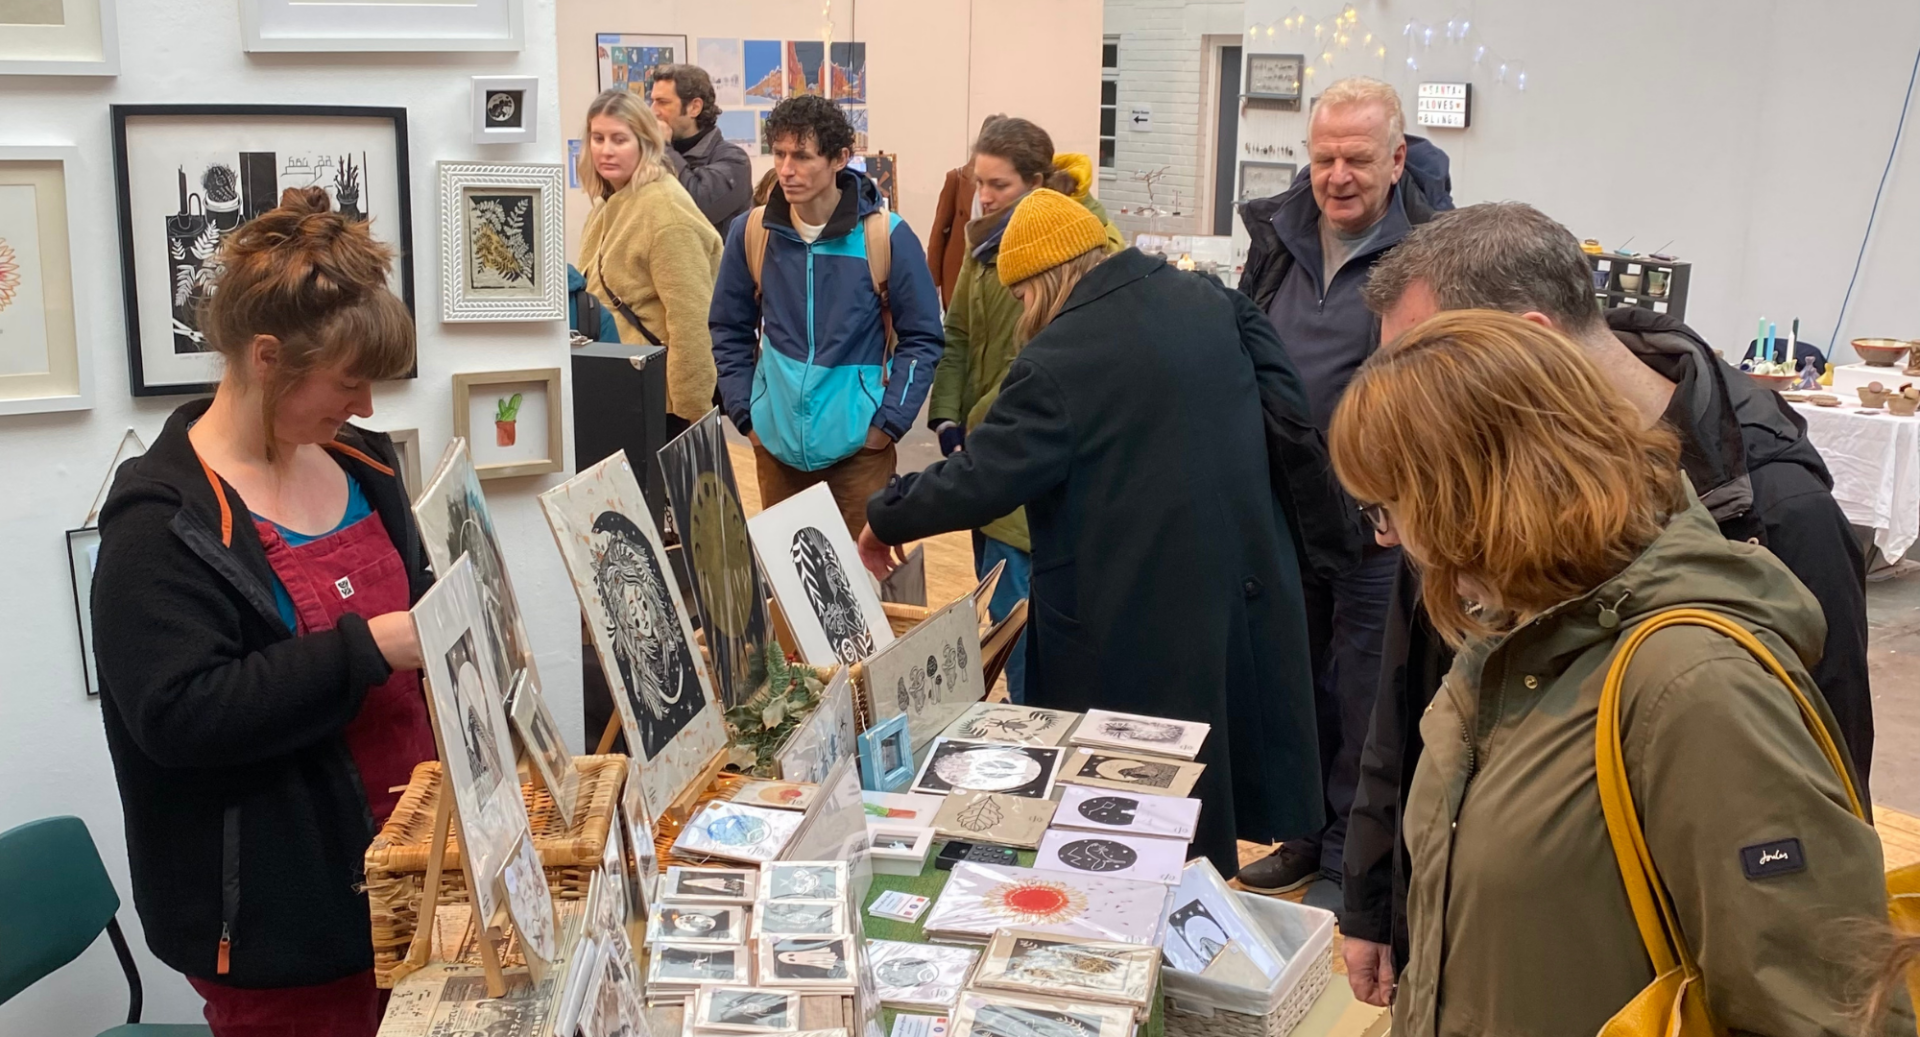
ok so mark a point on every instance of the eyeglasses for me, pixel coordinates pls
(1377, 514)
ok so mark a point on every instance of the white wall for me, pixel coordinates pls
(52, 751)
(1751, 135)
(1165, 63)
(934, 70)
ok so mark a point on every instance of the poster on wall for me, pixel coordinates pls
(857, 118)
(765, 72)
(628, 59)
(805, 62)
(741, 128)
(845, 76)
(188, 175)
(724, 64)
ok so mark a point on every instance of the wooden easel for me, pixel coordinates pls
(491, 939)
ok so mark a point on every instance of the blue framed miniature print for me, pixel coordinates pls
(886, 755)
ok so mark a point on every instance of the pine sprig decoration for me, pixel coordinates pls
(760, 725)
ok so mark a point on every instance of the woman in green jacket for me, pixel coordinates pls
(1011, 158)
(1549, 522)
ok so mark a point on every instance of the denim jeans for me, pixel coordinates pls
(1015, 584)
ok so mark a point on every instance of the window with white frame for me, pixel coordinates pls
(1109, 98)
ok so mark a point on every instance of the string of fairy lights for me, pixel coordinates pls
(1344, 44)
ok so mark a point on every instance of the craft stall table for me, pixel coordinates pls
(1874, 458)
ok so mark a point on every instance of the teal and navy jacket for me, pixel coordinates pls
(805, 364)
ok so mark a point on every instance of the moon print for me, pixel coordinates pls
(1098, 855)
(987, 770)
(655, 668)
(693, 923)
(1134, 772)
(500, 107)
(1109, 810)
(905, 972)
(831, 596)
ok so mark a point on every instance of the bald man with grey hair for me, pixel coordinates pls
(1742, 446)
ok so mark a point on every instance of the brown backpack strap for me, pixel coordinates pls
(878, 227)
(756, 245)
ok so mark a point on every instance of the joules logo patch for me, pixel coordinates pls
(1782, 857)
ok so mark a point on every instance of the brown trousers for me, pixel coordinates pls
(852, 481)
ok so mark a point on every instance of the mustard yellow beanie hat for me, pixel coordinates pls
(1046, 229)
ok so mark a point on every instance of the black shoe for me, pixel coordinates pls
(1282, 871)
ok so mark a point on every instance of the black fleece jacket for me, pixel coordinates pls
(244, 811)
(1747, 454)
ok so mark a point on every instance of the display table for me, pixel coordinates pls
(1875, 462)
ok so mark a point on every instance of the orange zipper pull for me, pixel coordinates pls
(226, 945)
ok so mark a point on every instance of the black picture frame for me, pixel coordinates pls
(138, 382)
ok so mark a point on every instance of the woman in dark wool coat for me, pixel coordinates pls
(1165, 578)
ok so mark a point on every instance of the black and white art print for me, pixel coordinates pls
(1130, 732)
(697, 923)
(506, 109)
(639, 626)
(1007, 722)
(1106, 853)
(1102, 768)
(745, 1010)
(1111, 810)
(454, 520)
(989, 1014)
(931, 673)
(806, 961)
(803, 880)
(814, 569)
(728, 586)
(710, 885)
(188, 175)
(919, 975)
(1205, 916)
(681, 964)
(1056, 967)
(1015, 770)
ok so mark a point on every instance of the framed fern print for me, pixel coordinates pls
(503, 242)
(187, 176)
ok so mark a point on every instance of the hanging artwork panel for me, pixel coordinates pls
(475, 746)
(810, 561)
(382, 25)
(502, 241)
(931, 673)
(723, 61)
(628, 60)
(59, 38)
(514, 421)
(42, 364)
(639, 626)
(187, 175)
(765, 72)
(728, 586)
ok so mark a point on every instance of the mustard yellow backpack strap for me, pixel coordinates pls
(878, 228)
(755, 242)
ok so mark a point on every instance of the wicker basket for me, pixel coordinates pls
(396, 862)
(1304, 935)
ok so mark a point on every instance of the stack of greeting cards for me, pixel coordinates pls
(802, 934)
(698, 930)
(980, 899)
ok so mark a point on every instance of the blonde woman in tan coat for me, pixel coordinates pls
(648, 252)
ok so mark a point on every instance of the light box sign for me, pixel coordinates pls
(1447, 105)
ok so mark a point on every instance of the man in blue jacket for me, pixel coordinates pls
(801, 329)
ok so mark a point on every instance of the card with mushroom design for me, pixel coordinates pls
(1109, 810)
(697, 923)
(737, 832)
(1055, 966)
(1101, 768)
(1107, 853)
(1205, 916)
(1017, 770)
(710, 885)
(931, 673)
(803, 880)
(746, 1010)
(800, 918)
(807, 962)
(815, 572)
(982, 1013)
(994, 817)
(981, 898)
(640, 630)
(1130, 732)
(920, 975)
(1006, 722)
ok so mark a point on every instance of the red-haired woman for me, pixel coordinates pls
(259, 671)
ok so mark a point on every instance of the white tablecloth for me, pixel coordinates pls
(1875, 461)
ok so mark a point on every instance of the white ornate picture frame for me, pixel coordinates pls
(61, 38)
(506, 109)
(46, 359)
(382, 25)
(502, 242)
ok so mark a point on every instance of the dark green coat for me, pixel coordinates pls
(1164, 575)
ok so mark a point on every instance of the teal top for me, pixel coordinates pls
(357, 509)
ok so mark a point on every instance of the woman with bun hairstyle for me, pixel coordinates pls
(258, 668)
(1132, 427)
(647, 251)
(1011, 159)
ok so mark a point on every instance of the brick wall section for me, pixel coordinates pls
(1161, 54)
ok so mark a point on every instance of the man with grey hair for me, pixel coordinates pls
(1367, 185)
(1744, 449)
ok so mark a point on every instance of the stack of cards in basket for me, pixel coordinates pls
(801, 930)
(698, 931)
(1130, 732)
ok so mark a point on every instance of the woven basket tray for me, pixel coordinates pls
(396, 862)
(1277, 1023)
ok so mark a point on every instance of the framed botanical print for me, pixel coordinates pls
(43, 366)
(381, 25)
(187, 175)
(503, 242)
(524, 410)
(59, 38)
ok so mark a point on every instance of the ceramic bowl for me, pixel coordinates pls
(1904, 406)
(1873, 398)
(1775, 382)
(1882, 352)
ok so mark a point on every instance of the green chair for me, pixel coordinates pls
(55, 897)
